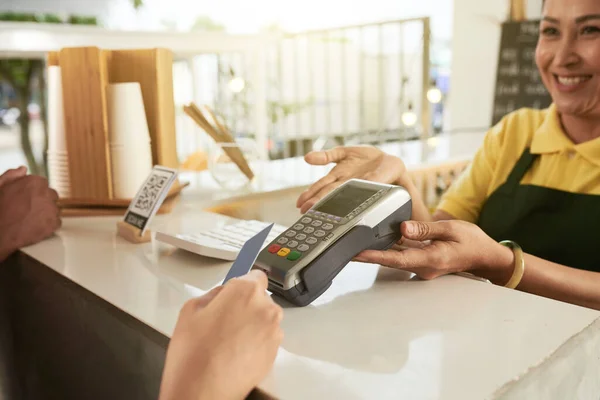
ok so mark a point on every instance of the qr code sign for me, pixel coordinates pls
(152, 192)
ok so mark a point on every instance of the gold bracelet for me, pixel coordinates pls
(519, 269)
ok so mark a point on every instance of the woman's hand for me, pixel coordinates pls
(445, 247)
(361, 162)
(224, 343)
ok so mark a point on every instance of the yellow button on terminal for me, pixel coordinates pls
(283, 252)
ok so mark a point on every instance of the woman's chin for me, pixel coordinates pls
(578, 108)
(567, 108)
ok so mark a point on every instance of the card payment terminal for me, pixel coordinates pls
(302, 262)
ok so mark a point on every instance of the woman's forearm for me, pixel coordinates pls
(562, 283)
(555, 281)
(541, 277)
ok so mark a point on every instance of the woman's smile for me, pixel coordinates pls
(571, 83)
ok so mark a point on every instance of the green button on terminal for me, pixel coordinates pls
(294, 255)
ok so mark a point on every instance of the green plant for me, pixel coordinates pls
(17, 17)
(20, 74)
(206, 24)
(276, 110)
(24, 75)
(77, 20)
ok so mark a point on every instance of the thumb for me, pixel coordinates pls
(12, 175)
(325, 157)
(418, 230)
(258, 276)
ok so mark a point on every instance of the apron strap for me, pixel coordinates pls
(520, 169)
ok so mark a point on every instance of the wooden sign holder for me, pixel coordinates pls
(86, 73)
(133, 234)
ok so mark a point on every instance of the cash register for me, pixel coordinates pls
(302, 261)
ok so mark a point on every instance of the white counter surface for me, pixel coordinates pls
(376, 333)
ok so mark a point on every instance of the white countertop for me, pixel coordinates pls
(376, 333)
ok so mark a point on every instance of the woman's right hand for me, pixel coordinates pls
(360, 162)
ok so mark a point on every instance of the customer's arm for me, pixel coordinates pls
(445, 247)
(28, 210)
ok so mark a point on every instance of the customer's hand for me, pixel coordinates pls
(11, 175)
(224, 343)
(361, 162)
(28, 210)
(439, 248)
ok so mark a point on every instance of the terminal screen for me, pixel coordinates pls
(345, 200)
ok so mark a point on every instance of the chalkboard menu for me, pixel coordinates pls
(518, 82)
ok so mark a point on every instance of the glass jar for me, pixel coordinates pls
(225, 171)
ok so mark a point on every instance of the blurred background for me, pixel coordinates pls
(294, 76)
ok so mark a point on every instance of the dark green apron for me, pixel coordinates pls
(557, 226)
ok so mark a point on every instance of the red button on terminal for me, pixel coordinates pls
(274, 248)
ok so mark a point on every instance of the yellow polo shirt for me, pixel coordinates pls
(562, 164)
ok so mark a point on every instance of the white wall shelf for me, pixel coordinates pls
(34, 40)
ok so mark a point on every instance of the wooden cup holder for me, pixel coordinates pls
(86, 73)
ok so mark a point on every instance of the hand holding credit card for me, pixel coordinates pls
(248, 254)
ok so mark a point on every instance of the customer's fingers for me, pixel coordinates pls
(12, 175)
(204, 300)
(258, 276)
(53, 194)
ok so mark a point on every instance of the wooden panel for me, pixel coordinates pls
(84, 78)
(153, 69)
(167, 142)
(115, 203)
(167, 206)
(52, 59)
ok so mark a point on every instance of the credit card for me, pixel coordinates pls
(248, 254)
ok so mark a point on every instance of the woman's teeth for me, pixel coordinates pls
(572, 80)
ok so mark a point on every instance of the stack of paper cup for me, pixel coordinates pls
(58, 162)
(130, 150)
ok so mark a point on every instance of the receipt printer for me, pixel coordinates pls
(302, 262)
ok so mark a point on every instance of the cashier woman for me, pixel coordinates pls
(534, 185)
